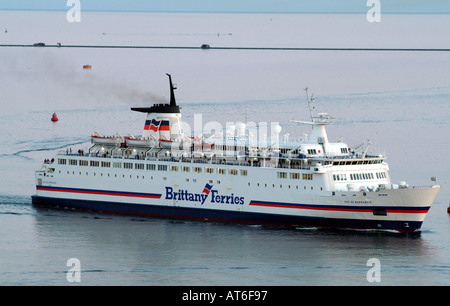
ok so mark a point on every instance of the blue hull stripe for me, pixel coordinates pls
(389, 209)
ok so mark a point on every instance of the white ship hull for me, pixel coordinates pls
(233, 198)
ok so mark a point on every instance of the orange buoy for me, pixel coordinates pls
(54, 117)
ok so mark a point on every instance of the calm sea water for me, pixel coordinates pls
(398, 100)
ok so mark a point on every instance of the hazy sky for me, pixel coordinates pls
(258, 6)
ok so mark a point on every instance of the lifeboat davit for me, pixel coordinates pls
(54, 117)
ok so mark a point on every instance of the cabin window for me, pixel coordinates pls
(244, 172)
(128, 165)
(73, 162)
(340, 177)
(307, 176)
(139, 166)
(186, 169)
(282, 175)
(106, 164)
(295, 176)
(233, 171)
(61, 161)
(162, 167)
(117, 165)
(209, 170)
(198, 169)
(151, 167)
(84, 163)
(221, 171)
(174, 168)
(94, 163)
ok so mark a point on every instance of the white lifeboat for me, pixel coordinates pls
(106, 140)
(166, 143)
(139, 142)
(178, 143)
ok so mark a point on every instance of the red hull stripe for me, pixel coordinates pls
(403, 210)
(101, 192)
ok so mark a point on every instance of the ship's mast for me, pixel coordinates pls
(309, 100)
(318, 133)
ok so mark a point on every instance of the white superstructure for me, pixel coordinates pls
(232, 176)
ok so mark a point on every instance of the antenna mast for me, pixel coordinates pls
(309, 100)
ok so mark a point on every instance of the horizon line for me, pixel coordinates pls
(227, 12)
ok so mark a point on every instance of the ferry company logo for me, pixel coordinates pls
(185, 195)
(155, 125)
(207, 188)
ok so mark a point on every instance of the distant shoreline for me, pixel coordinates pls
(231, 48)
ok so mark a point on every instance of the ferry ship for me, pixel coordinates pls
(228, 176)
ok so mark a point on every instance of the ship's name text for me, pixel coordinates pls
(184, 195)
